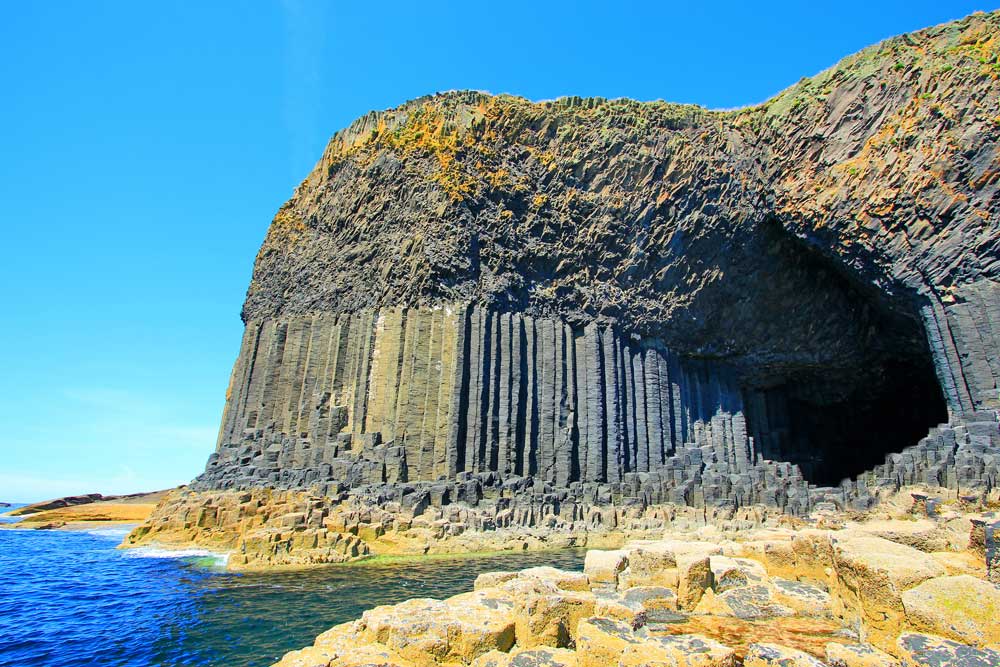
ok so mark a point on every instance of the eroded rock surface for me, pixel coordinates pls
(845, 599)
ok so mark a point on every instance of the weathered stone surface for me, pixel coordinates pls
(548, 617)
(730, 572)
(603, 567)
(747, 602)
(774, 655)
(427, 631)
(555, 617)
(801, 597)
(695, 577)
(542, 656)
(342, 646)
(602, 642)
(962, 608)
(872, 574)
(858, 655)
(919, 650)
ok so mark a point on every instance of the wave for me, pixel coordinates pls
(117, 533)
(205, 556)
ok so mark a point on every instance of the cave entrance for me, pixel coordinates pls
(876, 394)
(892, 408)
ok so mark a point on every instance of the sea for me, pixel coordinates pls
(70, 598)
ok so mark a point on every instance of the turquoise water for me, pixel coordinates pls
(71, 599)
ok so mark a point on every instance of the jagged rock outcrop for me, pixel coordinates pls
(645, 301)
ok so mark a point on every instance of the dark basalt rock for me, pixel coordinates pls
(613, 301)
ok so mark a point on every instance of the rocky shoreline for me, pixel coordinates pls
(86, 511)
(907, 585)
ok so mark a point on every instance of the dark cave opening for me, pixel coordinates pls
(892, 408)
(876, 395)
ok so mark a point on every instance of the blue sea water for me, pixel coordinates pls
(71, 599)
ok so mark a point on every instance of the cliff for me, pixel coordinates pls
(593, 302)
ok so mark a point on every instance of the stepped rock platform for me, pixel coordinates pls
(909, 586)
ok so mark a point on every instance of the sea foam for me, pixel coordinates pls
(218, 559)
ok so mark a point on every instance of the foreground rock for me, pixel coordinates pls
(758, 597)
(962, 608)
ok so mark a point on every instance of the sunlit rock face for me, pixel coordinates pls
(616, 300)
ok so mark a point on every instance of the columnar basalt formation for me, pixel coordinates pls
(794, 304)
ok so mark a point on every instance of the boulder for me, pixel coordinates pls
(920, 650)
(601, 642)
(871, 575)
(492, 579)
(651, 597)
(730, 572)
(343, 647)
(551, 618)
(562, 579)
(650, 566)
(922, 534)
(962, 608)
(458, 629)
(349, 656)
(637, 605)
(695, 576)
(775, 655)
(603, 567)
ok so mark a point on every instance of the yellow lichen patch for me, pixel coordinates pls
(287, 226)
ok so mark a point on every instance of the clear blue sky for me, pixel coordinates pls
(144, 148)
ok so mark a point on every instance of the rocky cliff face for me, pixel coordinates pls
(609, 299)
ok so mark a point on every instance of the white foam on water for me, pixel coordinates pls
(219, 559)
(118, 533)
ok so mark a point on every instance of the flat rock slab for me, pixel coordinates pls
(603, 567)
(728, 573)
(879, 564)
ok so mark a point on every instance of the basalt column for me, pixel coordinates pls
(425, 394)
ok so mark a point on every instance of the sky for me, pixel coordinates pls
(144, 148)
